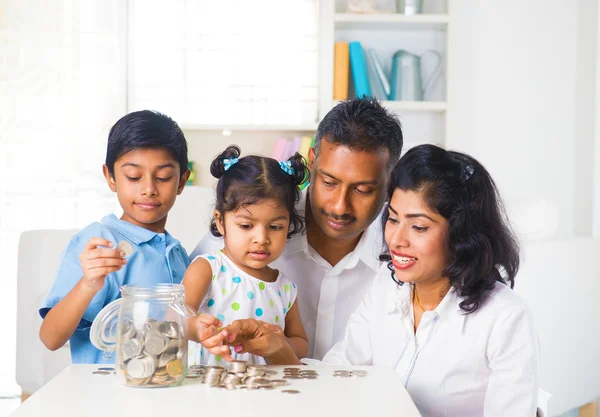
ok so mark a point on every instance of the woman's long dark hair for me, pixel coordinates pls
(481, 245)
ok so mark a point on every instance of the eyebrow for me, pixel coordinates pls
(245, 216)
(131, 164)
(372, 182)
(411, 215)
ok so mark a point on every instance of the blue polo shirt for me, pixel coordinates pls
(156, 258)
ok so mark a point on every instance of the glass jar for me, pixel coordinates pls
(146, 328)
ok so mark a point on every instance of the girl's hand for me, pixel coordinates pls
(257, 337)
(210, 335)
(97, 262)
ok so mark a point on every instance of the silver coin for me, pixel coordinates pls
(290, 391)
(131, 348)
(169, 329)
(127, 330)
(359, 373)
(106, 369)
(279, 382)
(142, 367)
(154, 342)
(101, 373)
(125, 247)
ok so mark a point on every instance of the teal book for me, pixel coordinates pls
(358, 66)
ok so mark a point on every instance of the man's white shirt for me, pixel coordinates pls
(327, 295)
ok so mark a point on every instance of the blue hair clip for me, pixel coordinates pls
(287, 167)
(228, 163)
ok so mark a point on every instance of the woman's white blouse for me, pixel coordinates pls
(456, 365)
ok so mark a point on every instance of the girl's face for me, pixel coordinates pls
(416, 237)
(255, 234)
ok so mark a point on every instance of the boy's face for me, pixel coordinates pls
(146, 181)
(347, 188)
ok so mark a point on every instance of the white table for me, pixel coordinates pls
(77, 392)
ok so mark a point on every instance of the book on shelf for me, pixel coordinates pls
(341, 64)
(285, 147)
(360, 76)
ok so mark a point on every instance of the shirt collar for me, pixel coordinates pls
(367, 250)
(136, 234)
(400, 300)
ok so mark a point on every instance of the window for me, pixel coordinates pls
(225, 62)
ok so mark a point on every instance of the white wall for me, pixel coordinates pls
(205, 145)
(522, 101)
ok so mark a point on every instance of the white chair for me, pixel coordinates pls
(189, 219)
(39, 256)
(560, 280)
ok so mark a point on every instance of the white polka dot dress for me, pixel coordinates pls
(233, 295)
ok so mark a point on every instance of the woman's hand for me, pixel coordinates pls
(261, 339)
(210, 335)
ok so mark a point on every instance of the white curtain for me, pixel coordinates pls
(62, 86)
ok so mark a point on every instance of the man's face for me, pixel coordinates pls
(347, 188)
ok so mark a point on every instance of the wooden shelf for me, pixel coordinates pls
(437, 22)
(252, 128)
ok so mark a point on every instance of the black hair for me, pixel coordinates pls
(253, 178)
(482, 248)
(362, 124)
(146, 129)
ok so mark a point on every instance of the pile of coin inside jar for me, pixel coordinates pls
(152, 356)
(240, 375)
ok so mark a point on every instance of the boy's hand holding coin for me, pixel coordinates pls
(98, 259)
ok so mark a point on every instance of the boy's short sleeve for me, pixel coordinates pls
(68, 274)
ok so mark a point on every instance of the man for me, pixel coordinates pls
(357, 145)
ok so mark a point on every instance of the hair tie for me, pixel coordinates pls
(287, 167)
(228, 163)
(468, 172)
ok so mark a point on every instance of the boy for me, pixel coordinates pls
(146, 165)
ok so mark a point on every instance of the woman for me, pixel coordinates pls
(462, 342)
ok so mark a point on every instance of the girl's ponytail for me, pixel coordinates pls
(219, 166)
(299, 165)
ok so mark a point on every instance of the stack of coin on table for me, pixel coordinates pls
(152, 356)
(240, 375)
(349, 374)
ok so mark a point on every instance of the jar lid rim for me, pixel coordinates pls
(153, 291)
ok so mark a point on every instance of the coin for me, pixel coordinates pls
(106, 369)
(131, 348)
(290, 391)
(125, 247)
(101, 373)
(279, 382)
(154, 342)
(359, 373)
(175, 368)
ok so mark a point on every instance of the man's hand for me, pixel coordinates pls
(210, 335)
(98, 262)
